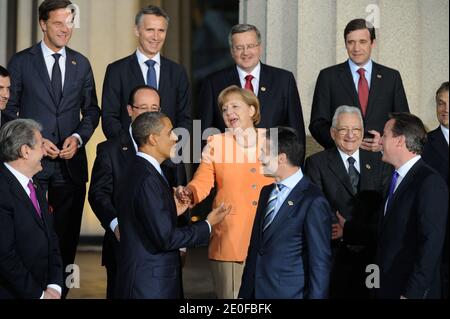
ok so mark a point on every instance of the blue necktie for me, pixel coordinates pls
(391, 189)
(151, 74)
(57, 78)
(271, 203)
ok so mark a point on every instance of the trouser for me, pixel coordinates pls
(227, 276)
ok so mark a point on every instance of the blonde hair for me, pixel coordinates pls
(248, 97)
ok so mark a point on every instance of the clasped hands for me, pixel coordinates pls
(68, 150)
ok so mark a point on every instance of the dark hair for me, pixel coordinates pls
(50, 5)
(288, 143)
(133, 93)
(412, 128)
(154, 10)
(3, 72)
(145, 124)
(360, 24)
(442, 88)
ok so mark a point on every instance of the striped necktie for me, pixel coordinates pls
(271, 204)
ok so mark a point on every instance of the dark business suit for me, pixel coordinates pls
(335, 87)
(435, 154)
(29, 252)
(149, 259)
(411, 236)
(32, 97)
(291, 259)
(113, 158)
(327, 170)
(277, 94)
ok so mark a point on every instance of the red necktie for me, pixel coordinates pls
(363, 91)
(248, 83)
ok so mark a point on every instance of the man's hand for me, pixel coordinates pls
(338, 229)
(117, 233)
(372, 144)
(182, 203)
(51, 293)
(218, 214)
(184, 195)
(51, 149)
(70, 147)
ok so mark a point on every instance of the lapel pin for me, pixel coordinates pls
(263, 89)
(379, 76)
(74, 62)
(290, 203)
(368, 166)
(125, 148)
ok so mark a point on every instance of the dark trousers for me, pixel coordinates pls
(111, 274)
(66, 200)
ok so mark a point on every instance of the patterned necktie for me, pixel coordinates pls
(363, 91)
(151, 74)
(353, 174)
(33, 198)
(57, 78)
(391, 189)
(248, 83)
(271, 203)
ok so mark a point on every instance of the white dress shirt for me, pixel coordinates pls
(289, 183)
(256, 73)
(445, 132)
(355, 155)
(144, 68)
(367, 72)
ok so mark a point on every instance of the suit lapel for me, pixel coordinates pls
(338, 168)
(71, 73)
(375, 84)
(347, 81)
(439, 143)
(127, 148)
(136, 70)
(367, 172)
(265, 85)
(41, 69)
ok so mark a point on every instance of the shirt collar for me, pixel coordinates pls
(445, 132)
(46, 51)
(23, 180)
(291, 181)
(354, 68)
(255, 72)
(132, 139)
(142, 58)
(404, 169)
(151, 160)
(345, 156)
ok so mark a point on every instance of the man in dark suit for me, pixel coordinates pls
(348, 176)
(30, 262)
(54, 85)
(275, 88)
(149, 260)
(5, 84)
(374, 88)
(435, 154)
(289, 254)
(412, 224)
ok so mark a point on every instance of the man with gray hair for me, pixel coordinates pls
(275, 88)
(30, 261)
(353, 181)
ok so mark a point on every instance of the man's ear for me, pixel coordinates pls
(24, 151)
(282, 158)
(152, 140)
(43, 25)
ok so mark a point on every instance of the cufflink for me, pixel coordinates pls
(290, 203)
(263, 89)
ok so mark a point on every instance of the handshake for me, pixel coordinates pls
(184, 199)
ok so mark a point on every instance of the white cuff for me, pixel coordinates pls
(80, 141)
(113, 224)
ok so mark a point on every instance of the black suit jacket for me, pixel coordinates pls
(114, 156)
(32, 97)
(278, 97)
(29, 252)
(335, 87)
(327, 170)
(124, 75)
(435, 152)
(149, 259)
(411, 236)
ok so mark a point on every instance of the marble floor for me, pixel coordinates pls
(197, 280)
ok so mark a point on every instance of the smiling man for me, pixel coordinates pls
(375, 89)
(53, 85)
(5, 83)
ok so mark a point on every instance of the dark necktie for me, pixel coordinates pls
(248, 83)
(57, 78)
(271, 203)
(151, 74)
(391, 189)
(363, 91)
(33, 198)
(353, 174)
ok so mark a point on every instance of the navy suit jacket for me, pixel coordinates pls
(149, 258)
(335, 87)
(32, 97)
(124, 75)
(277, 93)
(411, 236)
(435, 152)
(292, 258)
(29, 252)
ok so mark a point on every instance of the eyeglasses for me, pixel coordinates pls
(240, 48)
(152, 108)
(344, 131)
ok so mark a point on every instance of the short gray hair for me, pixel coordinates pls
(146, 124)
(15, 134)
(241, 28)
(345, 109)
(157, 11)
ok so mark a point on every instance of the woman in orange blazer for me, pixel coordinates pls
(231, 162)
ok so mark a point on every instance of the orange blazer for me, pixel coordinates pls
(237, 173)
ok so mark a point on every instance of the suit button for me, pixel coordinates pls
(261, 252)
(255, 203)
(253, 170)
